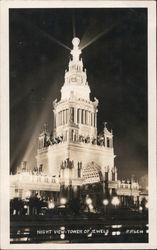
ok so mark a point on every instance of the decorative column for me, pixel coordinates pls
(62, 117)
(83, 116)
(75, 115)
(96, 119)
(92, 119)
(54, 118)
(64, 112)
(89, 118)
(66, 115)
(59, 118)
(80, 114)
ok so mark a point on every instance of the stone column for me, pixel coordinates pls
(115, 175)
(83, 116)
(62, 117)
(59, 118)
(75, 115)
(92, 119)
(66, 116)
(96, 119)
(54, 118)
(89, 118)
(80, 114)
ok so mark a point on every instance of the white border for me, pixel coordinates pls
(4, 146)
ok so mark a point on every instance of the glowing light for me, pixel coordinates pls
(116, 226)
(90, 206)
(51, 205)
(105, 202)
(140, 208)
(115, 201)
(97, 37)
(28, 194)
(50, 37)
(116, 233)
(88, 201)
(73, 23)
(63, 201)
(62, 236)
(147, 204)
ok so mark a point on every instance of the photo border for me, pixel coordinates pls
(4, 118)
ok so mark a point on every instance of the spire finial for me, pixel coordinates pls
(76, 42)
(76, 51)
(105, 123)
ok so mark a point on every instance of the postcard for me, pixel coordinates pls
(78, 135)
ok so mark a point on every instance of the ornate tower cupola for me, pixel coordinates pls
(75, 115)
(76, 51)
(75, 78)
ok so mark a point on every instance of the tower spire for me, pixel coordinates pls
(76, 51)
(75, 79)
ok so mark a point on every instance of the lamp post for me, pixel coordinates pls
(63, 201)
(115, 201)
(89, 203)
(27, 198)
(105, 203)
(51, 204)
(140, 209)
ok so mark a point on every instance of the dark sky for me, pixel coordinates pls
(116, 69)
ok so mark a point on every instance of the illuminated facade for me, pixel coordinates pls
(75, 154)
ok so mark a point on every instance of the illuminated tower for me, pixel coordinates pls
(74, 153)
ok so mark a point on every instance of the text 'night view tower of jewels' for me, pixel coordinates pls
(77, 159)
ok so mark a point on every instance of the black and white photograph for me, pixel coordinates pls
(79, 125)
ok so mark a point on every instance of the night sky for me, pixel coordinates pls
(116, 66)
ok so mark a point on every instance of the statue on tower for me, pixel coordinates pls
(76, 51)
